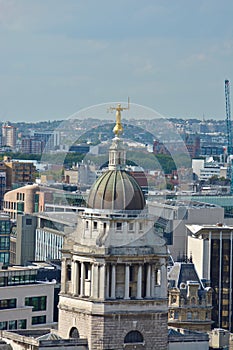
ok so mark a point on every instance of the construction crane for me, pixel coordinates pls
(229, 132)
(228, 117)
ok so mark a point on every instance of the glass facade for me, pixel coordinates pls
(48, 244)
(11, 278)
(14, 324)
(220, 282)
(5, 240)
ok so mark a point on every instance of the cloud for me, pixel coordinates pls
(195, 58)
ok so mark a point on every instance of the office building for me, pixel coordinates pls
(23, 200)
(22, 241)
(24, 302)
(212, 250)
(50, 232)
(5, 228)
(50, 139)
(173, 215)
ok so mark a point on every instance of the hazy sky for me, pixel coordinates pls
(58, 56)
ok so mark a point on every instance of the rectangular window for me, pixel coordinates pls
(86, 224)
(119, 226)
(3, 304)
(28, 222)
(12, 324)
(95, 225)
(168, 236)
(2, 227)
(3, 325)
(130, 226)
(4, 258)
(38, 303)
(4, 243)
(12, 303)
(38, 319)
(22, 324)
(140, 226)
(2, 281)
(7, 303)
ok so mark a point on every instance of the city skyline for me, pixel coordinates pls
(59, 57)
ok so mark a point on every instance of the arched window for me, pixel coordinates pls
(133, 337)
(193, 300)
(74, 333)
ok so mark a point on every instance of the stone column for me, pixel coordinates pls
(148, 281)
(209, 257)
(102, 281)
(75, 276)
(82, 280)
(94, 281)
(78, 278)
(63, 275)
(72, 276)
(152, 293)
(139, 282)
(126, 296)
(107, 281)
(163, 279)
(92, 278)
(113, 282)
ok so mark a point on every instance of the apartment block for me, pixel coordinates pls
(8, 135)
(18, 173)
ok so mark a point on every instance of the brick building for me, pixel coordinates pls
(18, 173)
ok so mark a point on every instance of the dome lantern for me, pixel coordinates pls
(116, 189)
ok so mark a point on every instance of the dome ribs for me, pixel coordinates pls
(116, 190)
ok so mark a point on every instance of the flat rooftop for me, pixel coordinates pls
(184, 203)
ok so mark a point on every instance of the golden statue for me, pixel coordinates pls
(118, 128)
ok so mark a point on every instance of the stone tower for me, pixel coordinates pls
(114, 279)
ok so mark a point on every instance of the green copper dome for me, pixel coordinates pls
(116, 190)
